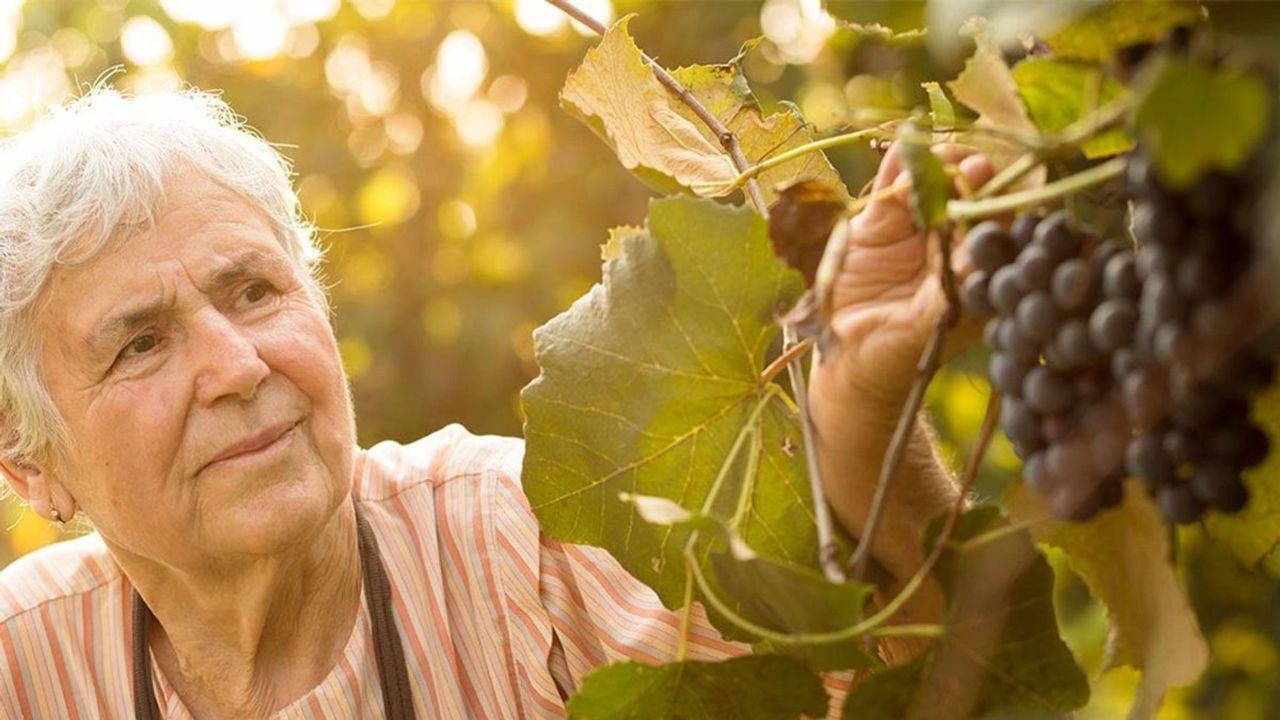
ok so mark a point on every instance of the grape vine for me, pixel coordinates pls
(1116, 351)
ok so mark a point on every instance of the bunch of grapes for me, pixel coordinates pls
(1053, 331)
(1116, 363)
(1190, 373)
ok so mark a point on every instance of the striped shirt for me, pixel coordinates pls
(496, 620)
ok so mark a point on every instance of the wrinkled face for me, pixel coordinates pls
(208, 412)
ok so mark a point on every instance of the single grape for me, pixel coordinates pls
(1055, 428)
(1072, 284)
(1019, 421)
(1173, 344)
(1145, 458)
(1070, 459)
(1107, 450)
(1055, 235)
(1046, 391)
(1156, 222)
(991, 333)
(1112, 324)
(1239, 441)
(1211, 197)
(1123, 362)
(1206, 405)
(1110, 493)
(1202, 275)
(1012, 340)
(1161, 301)
(1074, 344)
(1037, 476)
(1023, 229)
(1006, 290)
(1120, 278)
(1179, 504)
(1216, 322)
(1182, 447)
(1146, 396)
(1038, 316)
(1249, 373)
(1036, 267)
(1007, 372)
(1219, 485)
(1092, 383)
(975, 294)
(1026, 449)
(1075, 501)
(1154, 259)
(990, 246)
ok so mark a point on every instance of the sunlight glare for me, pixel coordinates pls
(145, 42)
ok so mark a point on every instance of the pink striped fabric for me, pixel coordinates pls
(497, 621)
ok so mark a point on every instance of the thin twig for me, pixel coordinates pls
(930, 359)
(967, 210)
(726, 137)
(828, 550)
(686, 616)
(779, 363)
(1012, 173)
(809, 147)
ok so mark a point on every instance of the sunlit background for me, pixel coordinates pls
(461, 208)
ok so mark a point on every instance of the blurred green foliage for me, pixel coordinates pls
(461, 208)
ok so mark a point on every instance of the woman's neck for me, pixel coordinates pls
(247, 643)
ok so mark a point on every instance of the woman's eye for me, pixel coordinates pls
(139, 346)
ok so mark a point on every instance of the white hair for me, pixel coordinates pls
(91, 172)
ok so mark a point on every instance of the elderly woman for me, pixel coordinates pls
(168, 369)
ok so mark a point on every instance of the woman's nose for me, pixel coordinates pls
(229, 364)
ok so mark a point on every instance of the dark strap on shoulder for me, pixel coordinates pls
(393, 674)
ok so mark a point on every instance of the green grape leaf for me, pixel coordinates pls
(930, 186)
(941, 111)
(759, 687)
(1253, 532)
(1194, 119)
(660, 139)
(1098, 35)
(986, 86)
(1058, 93)
(1123, 556)
(1000, 654)
(797, 600)
(646, 383)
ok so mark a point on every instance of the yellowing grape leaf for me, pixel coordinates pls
(648, 379)
(1254, 531)
(987, 87)
(1000, 654)
(1123, 556)
(659, 138)
(1194, 119)
(1058, 93)
(1098, 35)
(761, 687)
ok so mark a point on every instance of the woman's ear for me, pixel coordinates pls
(44, 493)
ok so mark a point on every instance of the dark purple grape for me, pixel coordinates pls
(975, 295)
(1206, 405)
(1151, 260)
(1249, 373)
(1161, 302)
(1110, 493)
(1179, 504)
(1037, 476)
(1120, 279)
(1146, 458)
(1023, 229)
(1046, 391)
(1038, 316)
(1172, 344)
(1026, 449)
(1216, 322)
(1182, 447)
(1156, 222)
(1211, 197)
(1107, 450)
(1055, 428)
(991, 333)
(1035, 268)
(1054, 234)
(1146, 396)
(1071, 461)
(1011, 340)
(1076, 501)
(1074, 344)
(1006, 290)
(1020, 423)
(1219, 485)
(1123, 362)
(990, 247)
(1239, 442)
(1203, 275)
(1007, 372)
(1072, 284)
(1112, 324)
